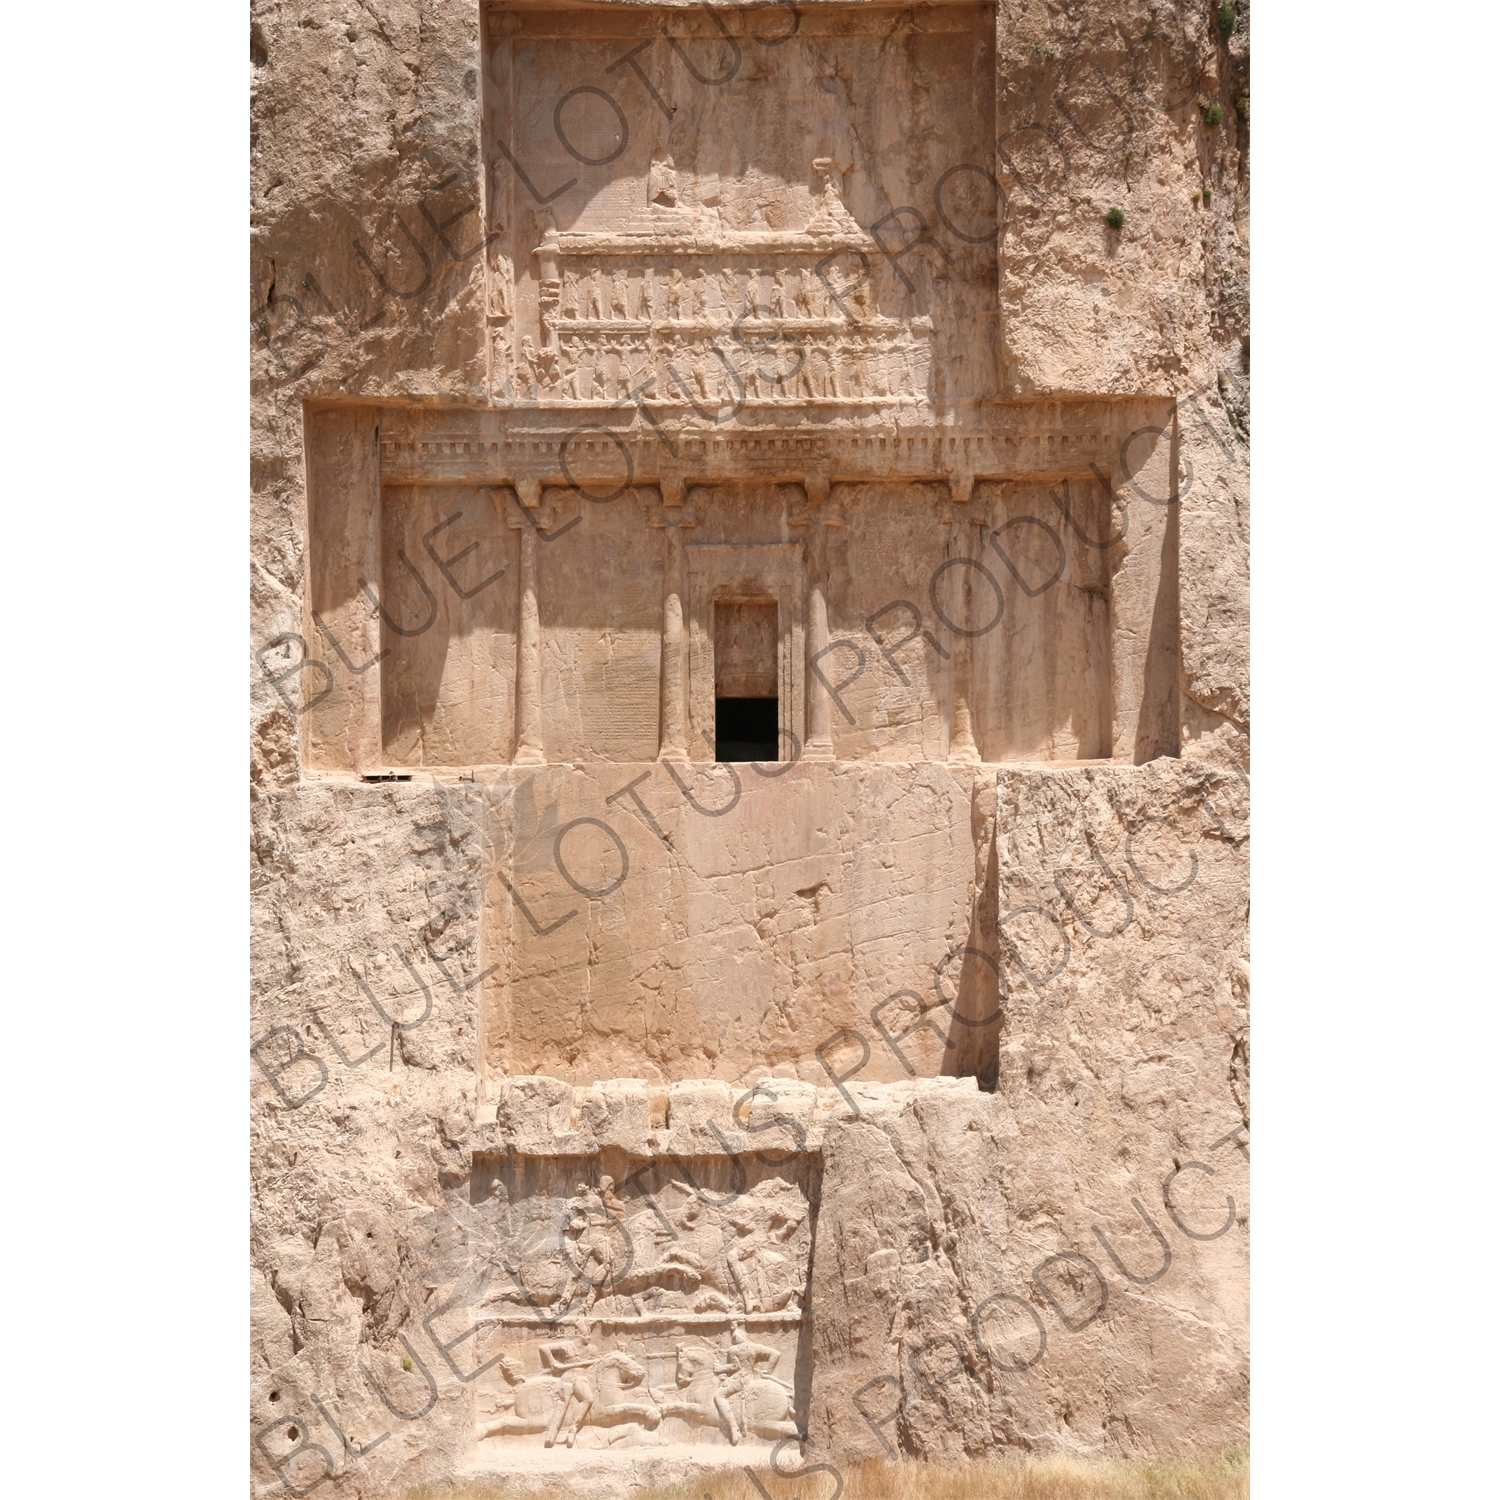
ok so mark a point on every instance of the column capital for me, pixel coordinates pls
(678, 521)
(533, 520)
(961, 487)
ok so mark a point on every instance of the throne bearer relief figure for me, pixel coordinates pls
(502, 275)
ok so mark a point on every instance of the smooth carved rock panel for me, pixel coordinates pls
(447, 608)
(707, 937)
(600, 601)
(1043, 677)
(658, 1305)
(701, 208)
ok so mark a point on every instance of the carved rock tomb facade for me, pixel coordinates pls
(750, 815)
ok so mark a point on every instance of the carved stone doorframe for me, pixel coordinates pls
(772, 571)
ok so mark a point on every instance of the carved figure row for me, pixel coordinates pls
(670, 294)
(732, 1389)
(675, 368)
(653, 293)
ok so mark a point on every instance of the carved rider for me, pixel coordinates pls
(612, 1202)
(742, 1362)
(571, 1360)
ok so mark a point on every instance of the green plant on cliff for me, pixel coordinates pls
(1227, 19)
(1212, 114)
(1115, 218)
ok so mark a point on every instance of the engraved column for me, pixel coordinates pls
(961, 745)
(674, 710)
(529, 748)
(819, 723)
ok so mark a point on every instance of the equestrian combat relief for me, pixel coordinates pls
(662, 1312)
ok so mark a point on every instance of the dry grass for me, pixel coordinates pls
(1224, 1478)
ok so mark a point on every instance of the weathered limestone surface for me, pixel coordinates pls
(622, 1108)
(975, 1294)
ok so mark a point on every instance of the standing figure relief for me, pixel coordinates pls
(526, 369)
(572, 370)
(502, 277)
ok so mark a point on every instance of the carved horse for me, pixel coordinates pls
(611, 1398)
(697, 1385)
(767, 1407)
(766, 1404)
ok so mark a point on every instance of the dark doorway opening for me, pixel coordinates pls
(745, 682)
(745, 729)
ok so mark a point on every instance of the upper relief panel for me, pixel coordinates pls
(721, 209)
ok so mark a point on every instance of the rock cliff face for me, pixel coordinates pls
(750, 744)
